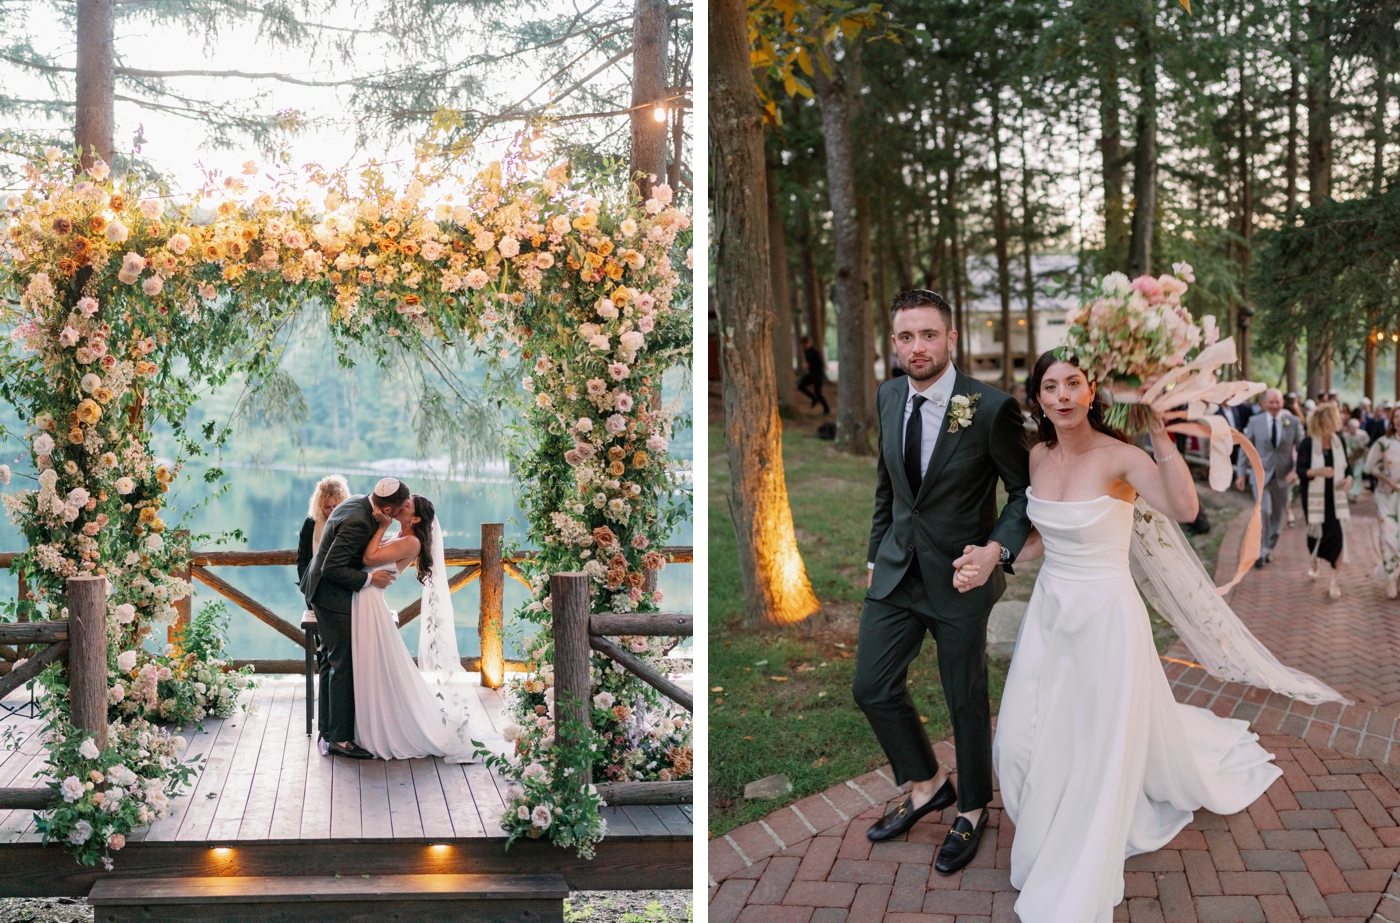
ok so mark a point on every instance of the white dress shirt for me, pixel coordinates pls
(934, 410)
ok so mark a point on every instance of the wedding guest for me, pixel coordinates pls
(1321, 457)
(330, 492)
(1356, 442)
(811, 383)
(1290, 404)
(1383, 463)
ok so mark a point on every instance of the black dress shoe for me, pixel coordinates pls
(353, 751)
(960, 845)
(906, 815)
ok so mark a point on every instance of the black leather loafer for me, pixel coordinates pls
(960, 845)
(354, 751)
(906, 815)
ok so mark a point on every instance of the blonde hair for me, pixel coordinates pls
(333, 485)
(1322, 424)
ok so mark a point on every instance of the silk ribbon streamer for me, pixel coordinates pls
(1185, 399)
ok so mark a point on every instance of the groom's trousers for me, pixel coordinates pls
(891, 634)
(336, 720)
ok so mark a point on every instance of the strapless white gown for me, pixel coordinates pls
(1097, 760)
(397, 715)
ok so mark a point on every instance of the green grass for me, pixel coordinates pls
(785, 701)
(780, 700)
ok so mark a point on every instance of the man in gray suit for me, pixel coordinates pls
(1276, 434)
(335, 575)
(945, 441)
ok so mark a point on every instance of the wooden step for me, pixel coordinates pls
(348, 899)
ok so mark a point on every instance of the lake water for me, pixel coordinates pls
(269, 505)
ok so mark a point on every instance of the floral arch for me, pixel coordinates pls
(122, 304)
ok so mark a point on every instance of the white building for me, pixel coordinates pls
(1056, 292)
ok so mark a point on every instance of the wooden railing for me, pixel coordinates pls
(577, 633)
(486, 563)
(81, 643)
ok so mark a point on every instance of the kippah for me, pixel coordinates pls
(386, 487)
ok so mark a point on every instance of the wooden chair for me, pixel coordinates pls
(313, 642)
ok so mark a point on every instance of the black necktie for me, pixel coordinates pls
(913, 445)
(1275, 430)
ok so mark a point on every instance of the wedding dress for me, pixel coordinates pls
(1097, 760)
(405, 710)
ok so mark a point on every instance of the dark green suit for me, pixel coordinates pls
(913, 543)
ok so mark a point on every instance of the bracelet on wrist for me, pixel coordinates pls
(1166, 458)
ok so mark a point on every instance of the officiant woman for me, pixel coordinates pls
(330, 492)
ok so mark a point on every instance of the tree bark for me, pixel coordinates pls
(1145, 150)
(854, 427)
(1027, 240)
(1290, 170)
(649, 136)
(1001, 224)
(1111, 147)
(814, 294)
(776, 588)
(1246, 226)
(782, 313)
(96, 81)
(1378, 122)
(1319, 103)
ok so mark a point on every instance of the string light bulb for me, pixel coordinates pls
(659, 113)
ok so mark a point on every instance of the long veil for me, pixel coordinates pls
(1175, 582)
(441, 665)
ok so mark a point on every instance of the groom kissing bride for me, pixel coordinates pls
(374, 700)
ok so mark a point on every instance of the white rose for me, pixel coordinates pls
(126, 661)
(125, 613)
(88, 750)
(125, 485)
(154, 542)
(4, 474)
(48, 478)
(72, 789)
(43, 444)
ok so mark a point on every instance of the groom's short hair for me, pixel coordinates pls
(922, 298)
(395, 498)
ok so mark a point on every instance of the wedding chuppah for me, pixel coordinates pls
(124, 302)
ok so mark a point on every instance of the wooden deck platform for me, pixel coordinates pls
(267, 803)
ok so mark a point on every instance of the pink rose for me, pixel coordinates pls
(624, 401)
(596, 387)
(69, 337)
(572, 457)
(87, 305)
(615, 424)
(1148, 287)
(618, 370)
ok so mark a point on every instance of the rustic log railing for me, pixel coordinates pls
(577, 633)
(81, 643)
(486, 563)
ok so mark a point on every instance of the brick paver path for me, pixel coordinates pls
(1323, 844)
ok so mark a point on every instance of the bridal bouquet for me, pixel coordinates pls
(1130, 333)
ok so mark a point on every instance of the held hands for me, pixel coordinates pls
(381, 578)
(974, 567)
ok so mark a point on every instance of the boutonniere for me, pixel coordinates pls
(960, 411)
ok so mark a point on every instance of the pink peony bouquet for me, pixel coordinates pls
(1129, 333)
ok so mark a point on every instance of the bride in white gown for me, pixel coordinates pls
(1097, 761)
(402, 709)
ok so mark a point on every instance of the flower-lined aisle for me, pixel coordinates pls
(124, 306)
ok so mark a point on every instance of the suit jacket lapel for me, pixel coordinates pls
(893, 423)
(947, 442)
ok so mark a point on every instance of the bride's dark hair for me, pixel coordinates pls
(423, 530)
(1045, 428)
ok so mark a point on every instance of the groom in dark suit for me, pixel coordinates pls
(335, 575)
(945, 439)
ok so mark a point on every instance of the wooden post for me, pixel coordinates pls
(87, 654)
(570, 607)
(491, 625)
(183, 606)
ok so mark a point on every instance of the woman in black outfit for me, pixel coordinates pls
(330, 492)
(1316, 475)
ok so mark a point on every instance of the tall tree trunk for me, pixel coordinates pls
(882, 294)
(1378, 122)
(1368, 380)
(868, 380)
(1319, 110)
(1001, 225)
(782, 315)
(1246, 227)
(854, 427)
(648, 91)
(1290, 169)
(96, 81)
(1145, 150)
(1115, 221)
(776, 588)
(1027, 241)
(814, 294)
